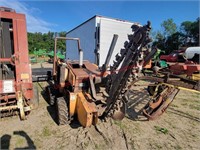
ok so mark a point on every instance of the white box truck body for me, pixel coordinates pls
(96, 35)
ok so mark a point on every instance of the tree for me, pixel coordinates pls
(39, 40)
(186, 27)
(191, 32)
(62, 43)
(171, 38)
(195, 31)
(164, 39)
(159, 40)
(174, 41)
(169, 27)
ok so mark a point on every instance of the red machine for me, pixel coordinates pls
(189, 68)
(175, 56)
(16, 87)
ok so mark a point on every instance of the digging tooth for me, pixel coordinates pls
(126, 44)
(117, 57)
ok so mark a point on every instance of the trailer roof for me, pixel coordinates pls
(100, 17)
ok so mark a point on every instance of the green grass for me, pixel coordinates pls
(158, 146)
(184, 104)
(46, 132)
(86, 144)
(155, 146)
(38, 143)
(177, 147)
(100, 146)
(196, 107)
(120, 124)
(173, 105)
(20, 142)
(162, 130)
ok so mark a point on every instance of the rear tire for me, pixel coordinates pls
(50, 96)
(62, 111)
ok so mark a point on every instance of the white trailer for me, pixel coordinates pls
(96, 35)
(191, 51)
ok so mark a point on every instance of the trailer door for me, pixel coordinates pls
(109, 27)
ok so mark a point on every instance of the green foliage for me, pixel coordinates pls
(169, 27)
(185, 27)
(162, 130)
(59, 54)
(174, 41)
(38, 41)
(120, 124)
(157, 54)
(172, 38)
(40, 52)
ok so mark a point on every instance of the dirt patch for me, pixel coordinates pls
(178, 128)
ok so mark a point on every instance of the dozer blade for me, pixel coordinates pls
(86, 111)
(154, 109)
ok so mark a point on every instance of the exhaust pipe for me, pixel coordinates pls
(55, 50)
(81, 58)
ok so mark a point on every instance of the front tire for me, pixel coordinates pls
(62, 111)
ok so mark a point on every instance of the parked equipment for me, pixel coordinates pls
(175, 56)
(168, 83)
(193, 54)
(17, 93)
(81, 88)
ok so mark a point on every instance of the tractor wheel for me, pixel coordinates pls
(62, 111)
(35, 99)
(50, 96)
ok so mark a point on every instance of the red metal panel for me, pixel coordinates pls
(21, 58)
(11, 15)
(192, 68)
(5, 59)
(188, 69)
(21, 49)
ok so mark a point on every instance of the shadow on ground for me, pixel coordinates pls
(137, 100)
(5, 141)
